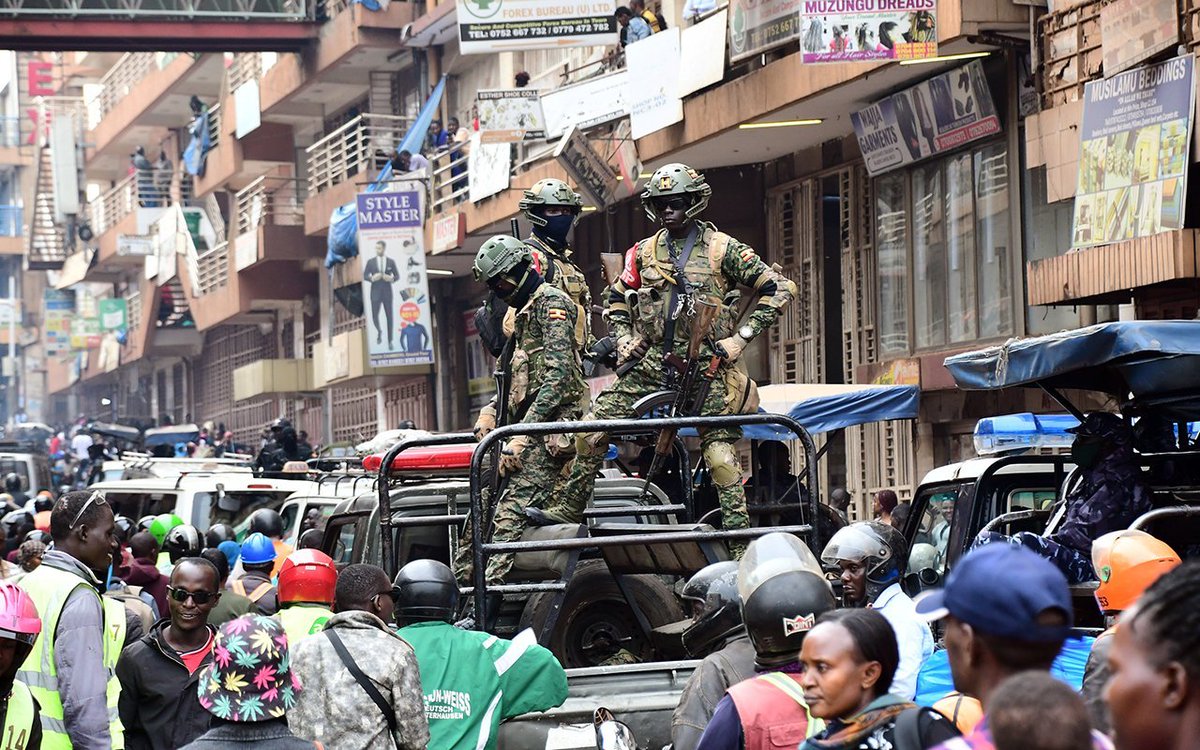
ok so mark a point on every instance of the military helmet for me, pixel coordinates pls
(498, 256)
(676, 179)
(548, 192)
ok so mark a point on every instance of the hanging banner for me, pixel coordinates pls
(864, 30)
(652, 91)
(1133, 153)
(58, 307)
(510, 115)
(930, 118)
(391, 246)
(489, 26)
(596, 180)
(489, 168)
(85, 333)
(113, 313)
(586, 104)
(756, 26)
(702, 53)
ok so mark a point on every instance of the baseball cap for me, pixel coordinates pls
(1000, 590)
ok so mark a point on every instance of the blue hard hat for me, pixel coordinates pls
(257, 549)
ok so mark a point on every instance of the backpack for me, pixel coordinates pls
(909, 734)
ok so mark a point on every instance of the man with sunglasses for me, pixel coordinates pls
(71, 668)
(650, 308)
(547, 386)
(159, 673)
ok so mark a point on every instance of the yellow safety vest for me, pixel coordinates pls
(49, 588)
(302, 620)
(18, 721)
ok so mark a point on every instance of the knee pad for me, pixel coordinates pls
(591, 443)
(723, 464)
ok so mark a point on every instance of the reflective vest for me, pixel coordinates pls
(49, 588)
(773, 712)
(19, 718)
(301, 620)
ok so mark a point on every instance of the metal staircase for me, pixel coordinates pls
(47, 240)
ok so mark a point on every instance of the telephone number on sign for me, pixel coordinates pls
(528, 30)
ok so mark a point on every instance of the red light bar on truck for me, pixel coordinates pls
(432, 458)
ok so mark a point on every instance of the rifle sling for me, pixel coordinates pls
(679, 263)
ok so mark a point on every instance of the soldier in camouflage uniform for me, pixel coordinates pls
(545, 353)
(553, 209)
(663, 279)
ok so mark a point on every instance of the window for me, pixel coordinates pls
(948, 220)
(937, 519)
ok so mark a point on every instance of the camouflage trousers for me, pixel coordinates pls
(616, 402)
(541, 476)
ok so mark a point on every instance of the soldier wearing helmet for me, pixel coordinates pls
(552, 209)
(649, 309)
(871, 557)
(544, 353)
(716, 632)
(1126, 563)
(307, 580)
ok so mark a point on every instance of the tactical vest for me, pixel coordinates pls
(773, 711)
(19, 718)
(702, 271)
(49, 588)
(301, 620)
(568, 278)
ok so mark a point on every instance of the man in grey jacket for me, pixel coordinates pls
(337, 710)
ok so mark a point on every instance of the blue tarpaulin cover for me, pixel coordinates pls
(342, 241)
(1146, 358)
(934, 681)
(824, 408)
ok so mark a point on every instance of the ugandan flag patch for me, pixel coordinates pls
(747, 255)
(556, 313)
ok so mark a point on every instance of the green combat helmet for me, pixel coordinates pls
(548, 192)
(499, 256)
(676, 179)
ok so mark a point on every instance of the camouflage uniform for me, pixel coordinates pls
(638, 305)
(545, 354)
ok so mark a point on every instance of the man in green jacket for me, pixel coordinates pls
(472, 681)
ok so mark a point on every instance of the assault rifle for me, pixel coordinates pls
(693, 380)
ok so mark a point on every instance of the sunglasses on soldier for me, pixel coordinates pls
(674, 203)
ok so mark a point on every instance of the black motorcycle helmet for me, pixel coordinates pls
(12, 483)
(125, 528)
(217, 533)
(425, 591)
(878, 546)
(783, 593)
(310, 539)
(182, 541)
(716, 607)
(42, 503)
(37, 535)
(267, 522)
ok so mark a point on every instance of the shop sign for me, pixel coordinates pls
(490, 26)
(489, 168)
(866, 30)
(935, 116)
(85, 333)
(756, 26)
(587, 168)
(1133, 153)
(391, 247)
(449, 232)
(10, 312)
(58, 307)
(1133, 31)
(899, 372)
(510, 115)
(113, 313)
(652, 89)
(586, 104)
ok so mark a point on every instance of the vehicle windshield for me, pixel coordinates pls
(932, 540)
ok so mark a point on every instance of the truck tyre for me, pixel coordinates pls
(594, 610)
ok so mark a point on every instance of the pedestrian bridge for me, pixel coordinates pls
(161, 25)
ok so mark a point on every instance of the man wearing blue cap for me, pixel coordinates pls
(1006, 610)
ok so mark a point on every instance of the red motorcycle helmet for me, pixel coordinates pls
(307, 575)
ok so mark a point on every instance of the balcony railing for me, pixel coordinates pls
(270, 200)
(212, 270)
(138, 190)
(229, 10)
(118, 82)
(359, 148)
(12, 220)
(450, 181)
(214, 126)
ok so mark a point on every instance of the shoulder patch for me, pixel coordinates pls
(747, 254)
(630, 275)
(556, 313)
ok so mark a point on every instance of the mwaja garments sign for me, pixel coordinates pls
(489, 26)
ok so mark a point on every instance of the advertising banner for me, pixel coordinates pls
(702, 53)
(930, 118)
(510, 115)
(85, 333)
(586, 104)
(489, 169)
(391, 247)
(58, 307)
(489, 26)
(597, 181)
(756, 26)
(652, 91)
(113, 313)
(1135, 30)
(1133, 153)
(864, 30)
